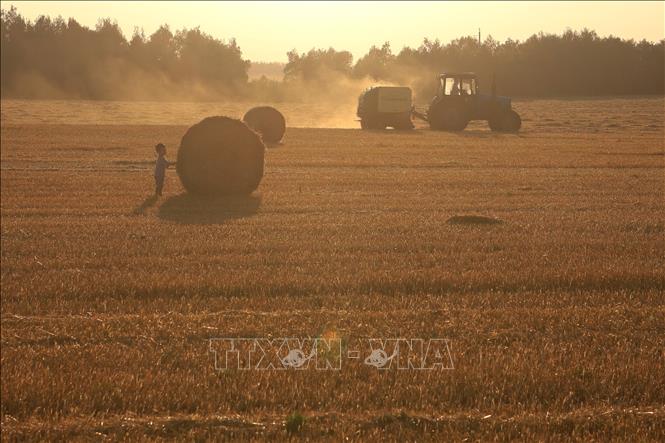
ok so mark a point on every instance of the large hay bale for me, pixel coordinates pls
(267, 121)
(220, 156)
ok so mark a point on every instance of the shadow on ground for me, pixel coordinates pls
(414, 131)
(147, 203)
(478, 133)
(192, 209)
(473, 220)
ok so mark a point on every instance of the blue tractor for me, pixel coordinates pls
(458, 101)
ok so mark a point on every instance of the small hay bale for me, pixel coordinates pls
(473, 220)
(220, 156)
(267, 121)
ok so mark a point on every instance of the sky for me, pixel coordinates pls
(266, 31)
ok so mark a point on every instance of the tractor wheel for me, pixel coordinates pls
(448, 119)
(494, 123)
(457, 121)
(506, 122)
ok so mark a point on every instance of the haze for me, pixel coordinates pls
(265, 31)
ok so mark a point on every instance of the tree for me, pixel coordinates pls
(376, 64)
(317, 65)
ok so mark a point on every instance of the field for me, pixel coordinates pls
(554, 316)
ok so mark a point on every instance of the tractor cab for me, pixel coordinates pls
(458, 101)
(464, 84)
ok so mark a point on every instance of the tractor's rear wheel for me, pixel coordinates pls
(448, 119)
(509, 121)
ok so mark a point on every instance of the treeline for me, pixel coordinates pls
(571, 64)
(54, 58)
(58, 58)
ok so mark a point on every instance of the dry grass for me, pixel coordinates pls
(555, 316)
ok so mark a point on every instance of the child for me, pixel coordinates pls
(160, 168)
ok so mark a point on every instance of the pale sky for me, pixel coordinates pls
(265, 31)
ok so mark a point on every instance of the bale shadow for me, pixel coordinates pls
(200, 210)
(471, 220)
(147, 203)
(485, 133)
(477, 133)
(390, 130)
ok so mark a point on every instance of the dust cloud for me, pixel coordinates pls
(328, 101)
(130, 95)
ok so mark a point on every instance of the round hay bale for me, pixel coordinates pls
(267, 121)
(220, 156)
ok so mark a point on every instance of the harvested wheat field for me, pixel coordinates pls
(538, 256)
